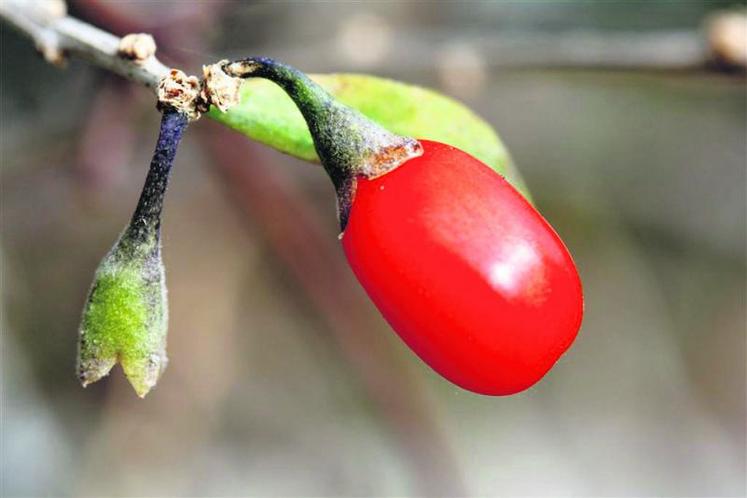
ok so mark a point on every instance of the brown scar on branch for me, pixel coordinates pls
(219, 88)
(193, 97)
(180, 92)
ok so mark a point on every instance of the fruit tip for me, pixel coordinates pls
(144, 375)
(93, 370)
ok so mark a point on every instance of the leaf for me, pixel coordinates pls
(266, 114)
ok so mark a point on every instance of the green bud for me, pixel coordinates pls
(126, 314)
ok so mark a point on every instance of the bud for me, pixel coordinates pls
(126, 314)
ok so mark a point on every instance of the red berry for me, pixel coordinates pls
(465, 270)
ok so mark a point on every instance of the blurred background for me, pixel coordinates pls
(284, 379)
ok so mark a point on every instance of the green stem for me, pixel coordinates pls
(348, 144)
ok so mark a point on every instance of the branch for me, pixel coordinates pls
(58, 35)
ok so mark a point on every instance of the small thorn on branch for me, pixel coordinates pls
(727, 38)
(137, 47)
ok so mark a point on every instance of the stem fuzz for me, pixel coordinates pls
(348, 144)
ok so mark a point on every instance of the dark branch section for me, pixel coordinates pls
(146, 220)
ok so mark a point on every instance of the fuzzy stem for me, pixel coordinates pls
(146, 220)
(348, 144)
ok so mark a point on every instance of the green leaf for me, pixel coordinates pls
(266, 114)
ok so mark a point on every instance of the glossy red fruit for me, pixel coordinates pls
(465, 270)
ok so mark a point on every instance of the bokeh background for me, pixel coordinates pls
(284, 379)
